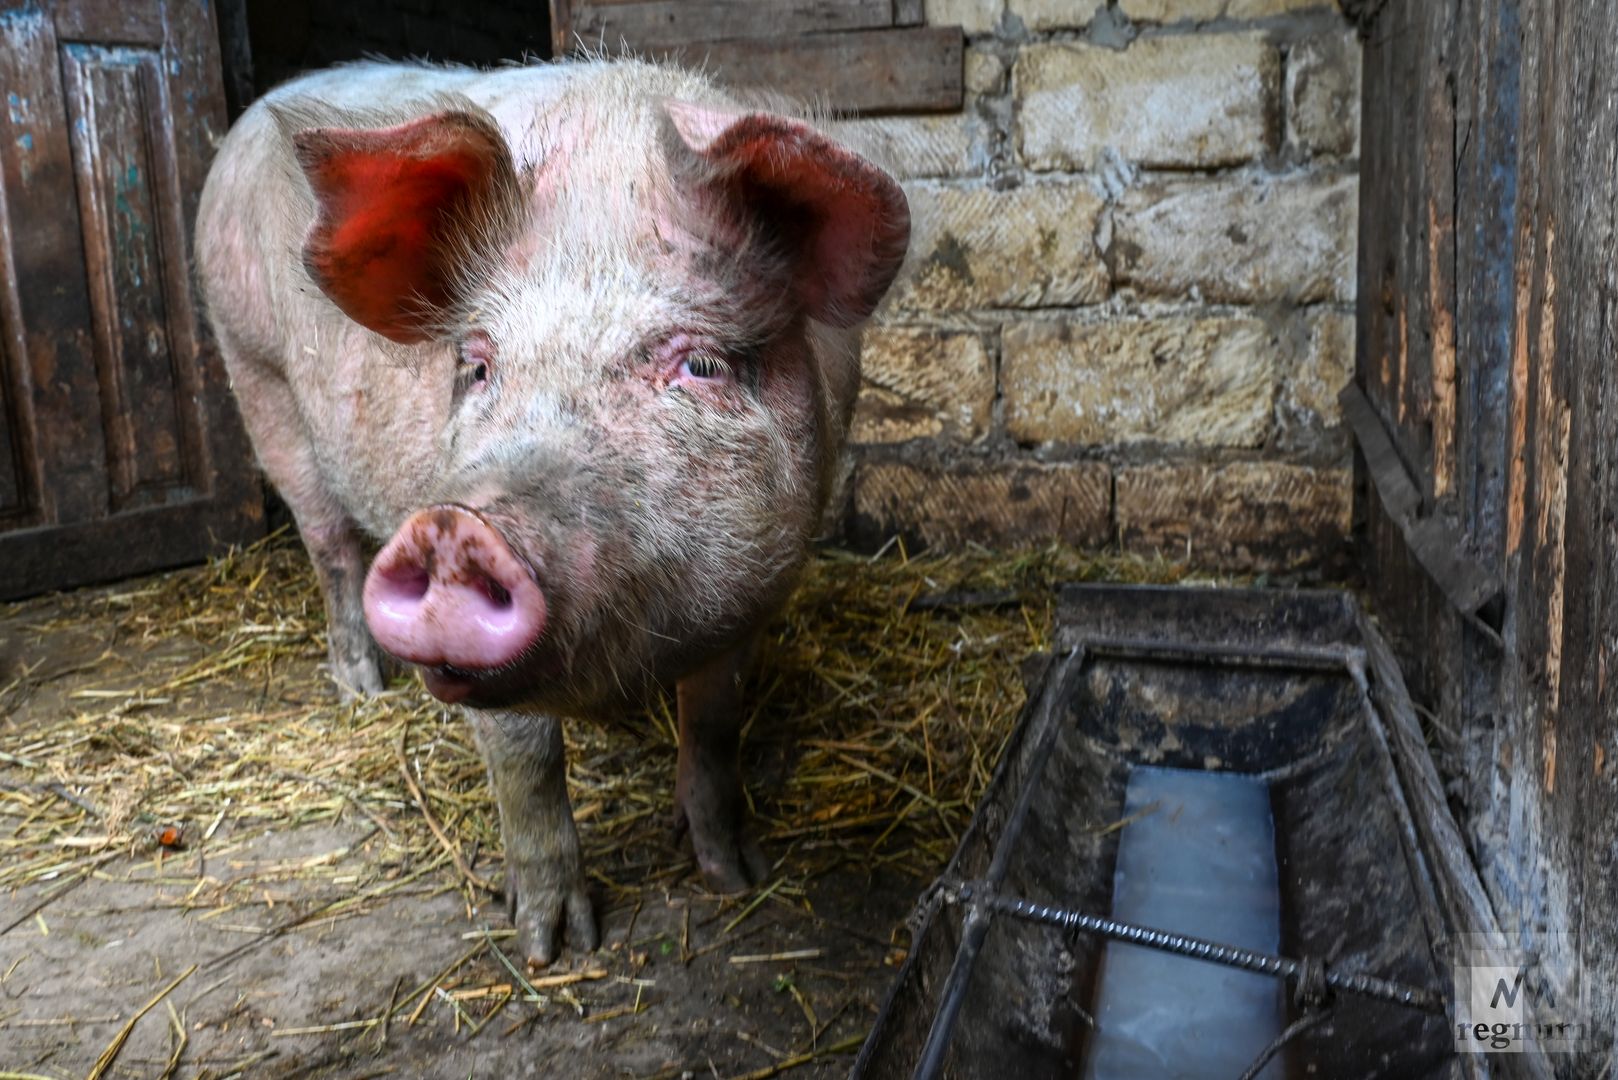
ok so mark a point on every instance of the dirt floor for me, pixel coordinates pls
(210, 867)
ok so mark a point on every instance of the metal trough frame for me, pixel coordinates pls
(1305, 631)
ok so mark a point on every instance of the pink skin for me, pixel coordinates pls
(448, 592)
(618, 485)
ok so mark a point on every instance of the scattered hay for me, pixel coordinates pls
(881, 701)
(878, 708)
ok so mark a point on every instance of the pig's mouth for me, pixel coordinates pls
(479, 689)
(450, 684)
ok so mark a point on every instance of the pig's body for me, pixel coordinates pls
(579, 340)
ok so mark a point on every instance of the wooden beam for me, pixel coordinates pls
(908, 13)
(904, 70)
(652, 24)
(1461, 892)
(1436, 544)
(561, 28)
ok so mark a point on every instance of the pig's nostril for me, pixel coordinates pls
(499, 595)
(406, 582)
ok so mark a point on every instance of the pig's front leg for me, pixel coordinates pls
(544, 873)
(708, 797)
(333, 541)
(334, 548)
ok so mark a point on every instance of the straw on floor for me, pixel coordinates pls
(881, 700)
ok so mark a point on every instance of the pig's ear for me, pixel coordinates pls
(394, 205)
(846, 221)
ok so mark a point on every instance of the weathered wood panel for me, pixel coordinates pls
(851, 56)
(11, 476)
(906, 70)
(1404, 264)
(639, 24)
(122, 451)
(108, 22)
(51, 351)
(1489, 320)
(908, 13)
(114, 104)
(1566, 581)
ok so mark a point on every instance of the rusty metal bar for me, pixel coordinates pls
(1373, 986)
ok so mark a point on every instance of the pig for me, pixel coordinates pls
(573, 348)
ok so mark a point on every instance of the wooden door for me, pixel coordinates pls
(120, 450)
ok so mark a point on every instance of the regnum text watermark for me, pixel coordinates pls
(1510, 1000)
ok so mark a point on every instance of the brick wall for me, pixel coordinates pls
(1127, 311)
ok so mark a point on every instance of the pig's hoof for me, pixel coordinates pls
(357, 672)
(545, 915)
(730, 860)
(732, 864)
(736, 870)
(357, 682)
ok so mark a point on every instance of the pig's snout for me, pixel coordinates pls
(447, 592)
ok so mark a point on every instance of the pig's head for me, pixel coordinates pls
(635, 319)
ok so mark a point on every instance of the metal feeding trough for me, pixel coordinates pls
(1215, 847)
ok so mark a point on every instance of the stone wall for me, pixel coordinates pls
(1128, 306)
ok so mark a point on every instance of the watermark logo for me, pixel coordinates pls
(1509, 1000)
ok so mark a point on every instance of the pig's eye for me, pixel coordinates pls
(705, 366)
(474, 362)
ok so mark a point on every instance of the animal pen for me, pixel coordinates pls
(1205, 671)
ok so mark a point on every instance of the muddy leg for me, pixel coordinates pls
(708, 798)
(544, 873)
(330, 535)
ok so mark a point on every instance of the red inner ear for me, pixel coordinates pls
(848, 220)
(387, 201)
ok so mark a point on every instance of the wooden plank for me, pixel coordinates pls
(1488, 84)
(1459, 887)
(1378, 285)
(1409, 242)
(1435, 542)
(111, 93)
(1517, 855)
(1433, 362)
(1407, 319)
(135, 542)
(906, 70)
(562, 40)
(655, 24)
(1505, 776)
(48, 324)
(909, 13)
(236, 55)
(1387, 472)
(187, 129)
(108, 22)
(1572, 574)
(1487, 54)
